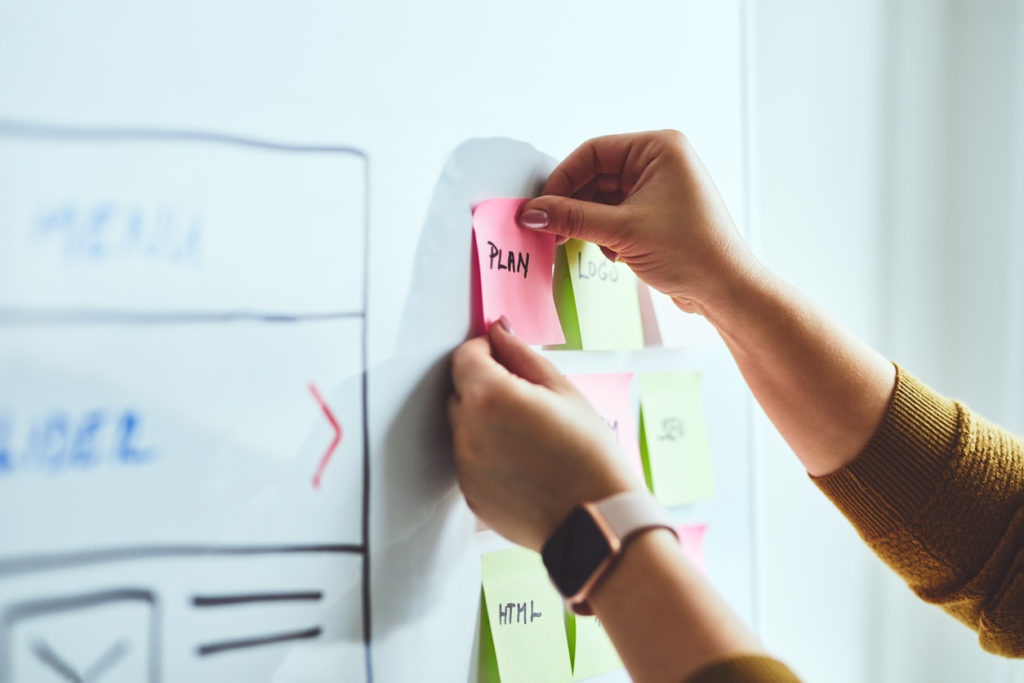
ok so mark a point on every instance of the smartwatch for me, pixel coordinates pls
(592, 536)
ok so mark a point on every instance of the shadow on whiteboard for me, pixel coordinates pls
(425, 571)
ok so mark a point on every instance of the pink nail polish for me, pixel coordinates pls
(505, 324)
(534, 219)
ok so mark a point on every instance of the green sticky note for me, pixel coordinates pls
(596, 300)
(590, 649)
(488, 659)
(674, 438)
(524, 616)
(565, 303)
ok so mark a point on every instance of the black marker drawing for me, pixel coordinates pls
(258, 641)
(29, 130)
(108, 659)
(33, 615)
(224, 600)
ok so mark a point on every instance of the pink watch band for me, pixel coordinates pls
(620, 517)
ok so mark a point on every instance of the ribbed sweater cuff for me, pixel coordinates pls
(744, 668)
(889, 484)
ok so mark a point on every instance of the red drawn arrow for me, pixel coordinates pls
(334, 442)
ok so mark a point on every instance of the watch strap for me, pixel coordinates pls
(621, 517)
(631, 512)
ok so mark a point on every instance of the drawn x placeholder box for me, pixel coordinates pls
(105, 637)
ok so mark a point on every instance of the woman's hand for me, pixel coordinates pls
(648, 201)
(528, 446)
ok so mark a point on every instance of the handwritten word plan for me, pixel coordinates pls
(523, 615)
(609, 395)
(597, 300)
(674, 438)
(515, 267)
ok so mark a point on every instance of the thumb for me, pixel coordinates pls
(521, 360)
(590, 221)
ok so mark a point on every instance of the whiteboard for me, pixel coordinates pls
(234, 255)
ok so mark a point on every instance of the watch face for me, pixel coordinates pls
(574, 551)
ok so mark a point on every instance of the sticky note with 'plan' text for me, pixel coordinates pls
(515, 266)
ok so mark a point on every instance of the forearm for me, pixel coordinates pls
(825, 390)
(663, 618)
(937, 493)
(934, 490)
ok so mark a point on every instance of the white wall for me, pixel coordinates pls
(888, 167)
(817, 107)
(955, 255)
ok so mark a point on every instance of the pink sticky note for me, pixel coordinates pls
(609, 394)
(515, 272)
(691, 539)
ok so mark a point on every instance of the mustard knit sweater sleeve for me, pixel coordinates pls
(753, 668)
(938, 495)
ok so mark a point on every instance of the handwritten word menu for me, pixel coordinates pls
(524, 617)
(597, 300)
(609, 395)
(515, 267)
(674, 438)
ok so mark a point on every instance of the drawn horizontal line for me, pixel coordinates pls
(19, 316)
(67, 603)
(214, 648)
(32, 563)
(21, 128)
(224, 600)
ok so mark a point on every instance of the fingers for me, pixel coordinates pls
(483, 365)
(609, 164)
(583, 198)
(454, 420)
(603, 156)
(473, 364)
(523, 361)
(575, 218)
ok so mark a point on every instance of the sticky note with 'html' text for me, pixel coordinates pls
(522, 629)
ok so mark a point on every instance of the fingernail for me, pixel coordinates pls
(534, 218)
(504, 324)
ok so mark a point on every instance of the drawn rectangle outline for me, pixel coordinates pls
(103, 135)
